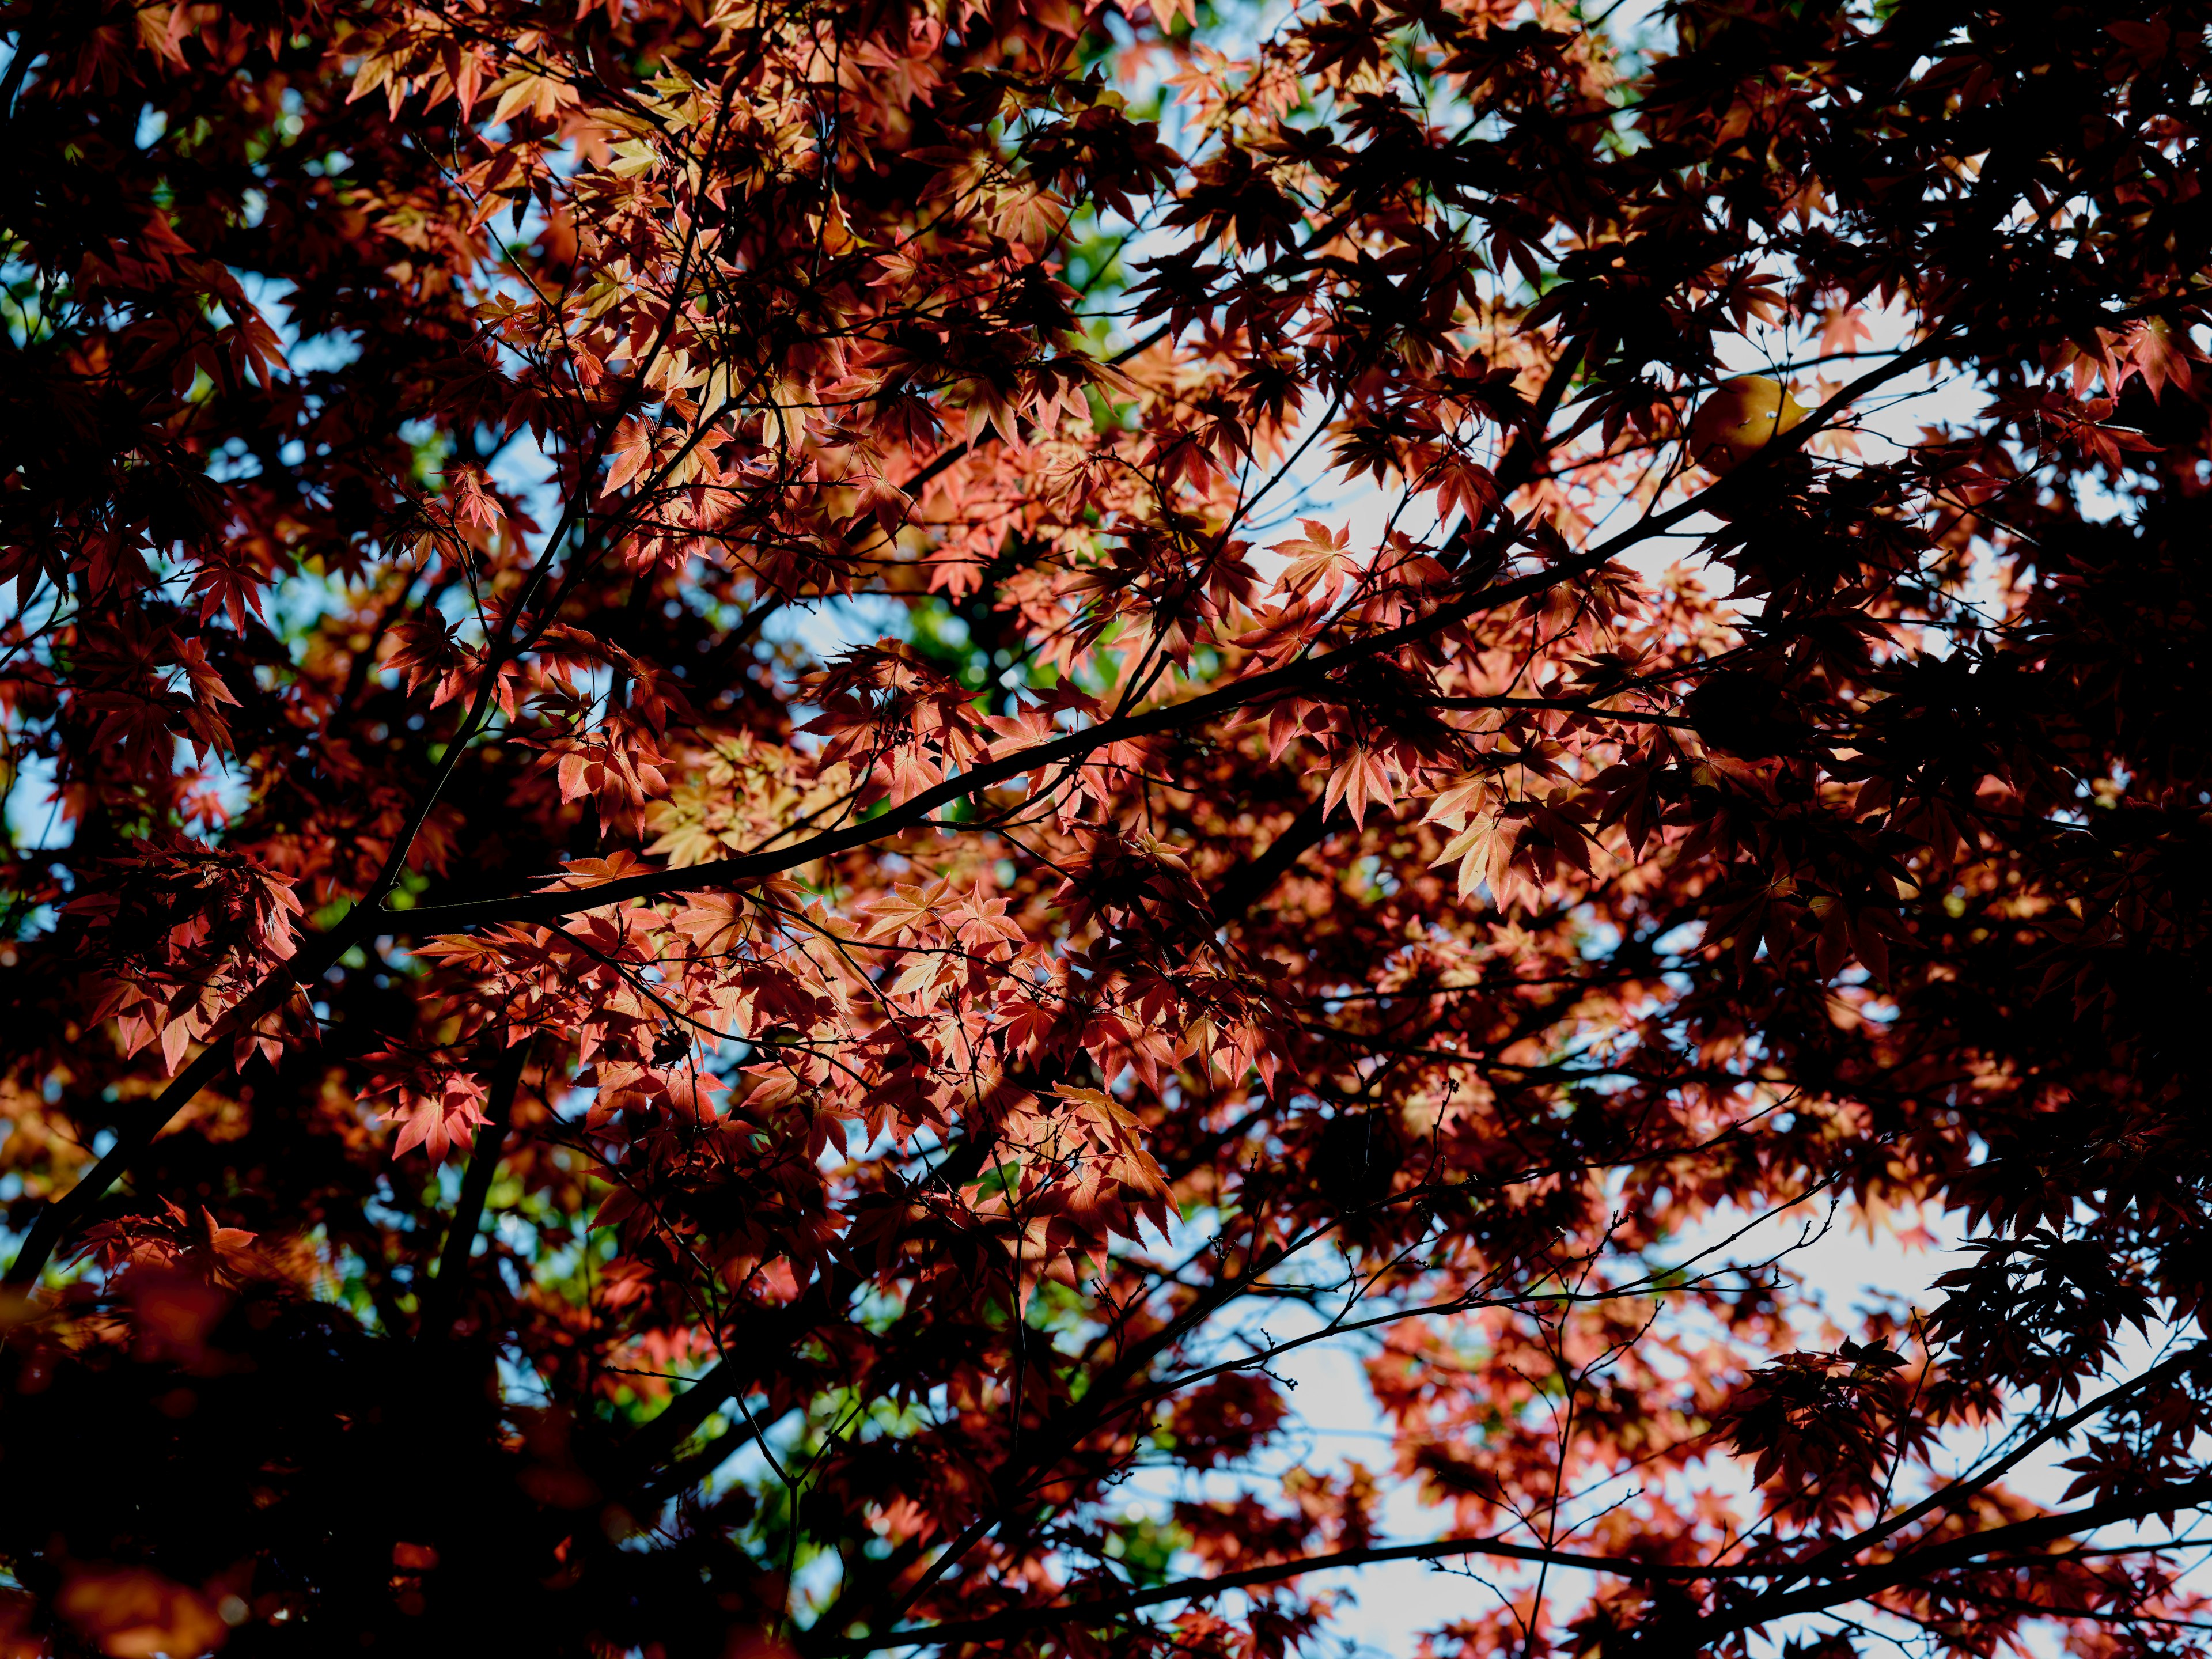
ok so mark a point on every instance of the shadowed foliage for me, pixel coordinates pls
(787, 785)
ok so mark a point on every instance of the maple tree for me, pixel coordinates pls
(721, 867)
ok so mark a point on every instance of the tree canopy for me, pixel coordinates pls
(784, 777)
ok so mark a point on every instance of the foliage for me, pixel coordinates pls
(733, 907)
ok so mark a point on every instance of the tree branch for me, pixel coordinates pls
(442, 1301)
(65, 1212)
(1015, 1620)
(919, 809)
(1952, 1496)
(1694, 1636)
(1248, 884)
(659, 1439)
(1193, 711)
(1677, 1638)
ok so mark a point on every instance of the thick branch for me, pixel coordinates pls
(770, 1332)
(1248, 884)
(135, 1129)
(442, 1301)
